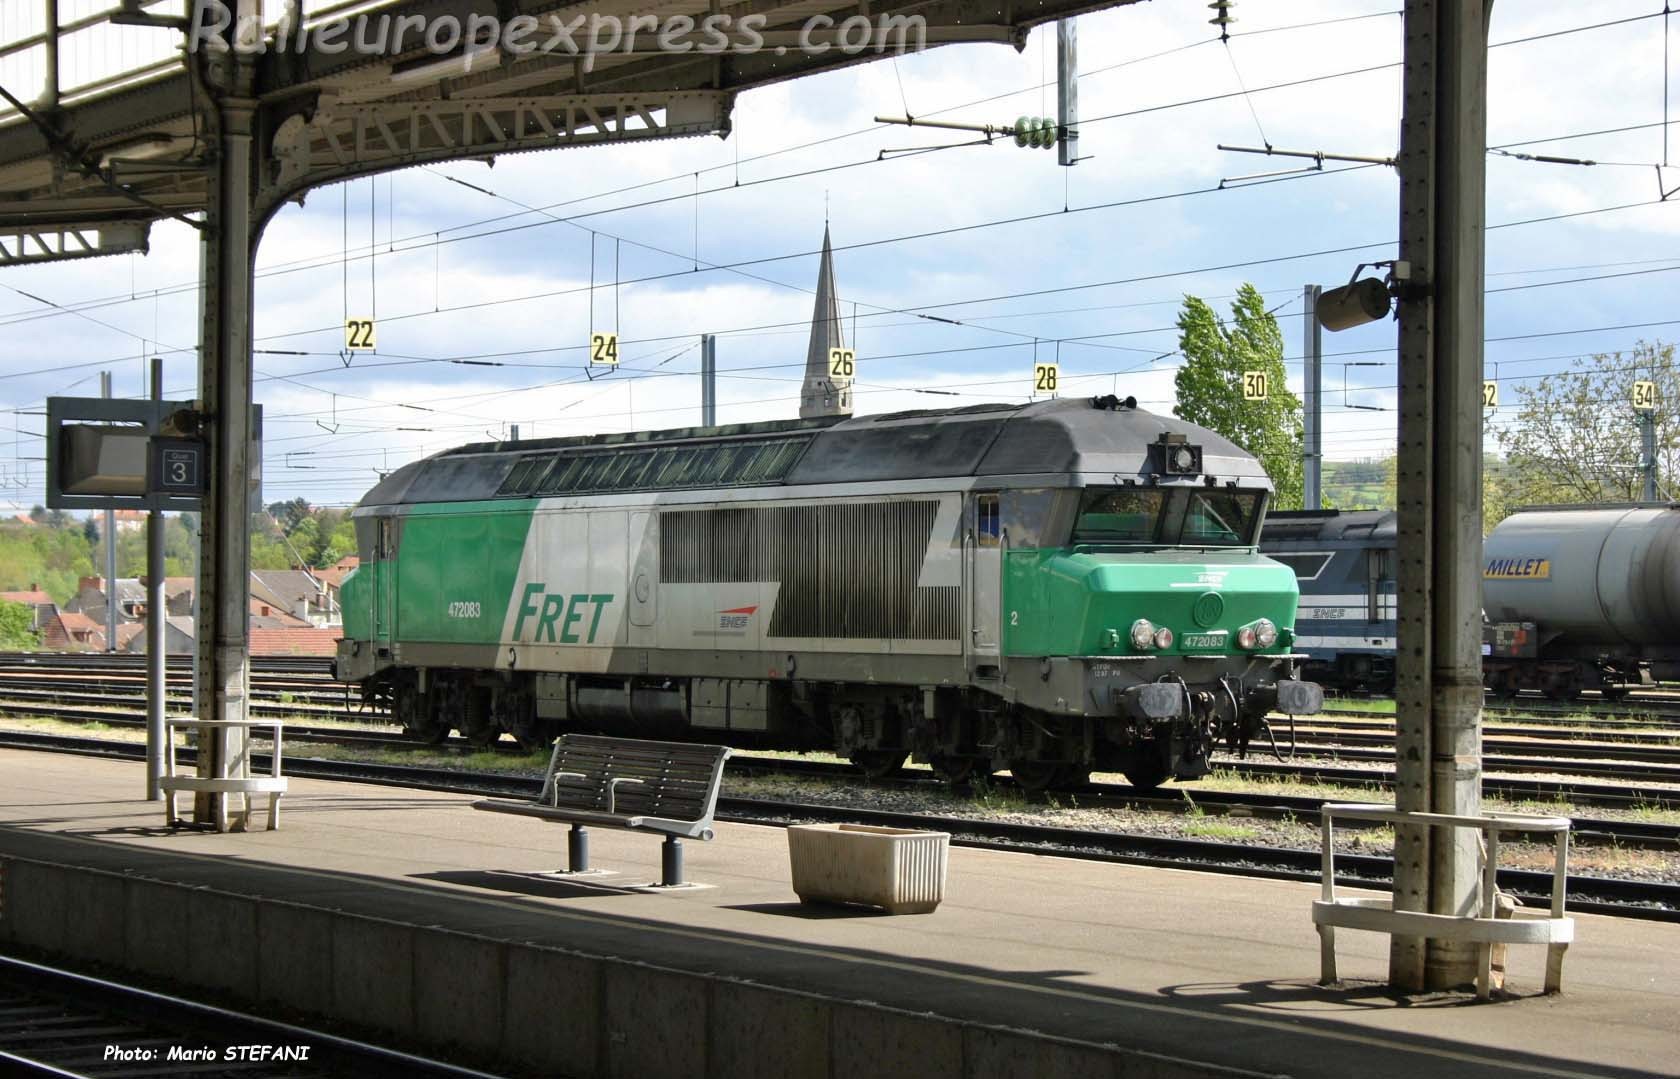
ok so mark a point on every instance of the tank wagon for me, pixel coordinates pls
(1344, 563)
(1582, 597)
(1051, 588)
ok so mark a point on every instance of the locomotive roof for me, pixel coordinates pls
(1066, 436)
(1284, 525)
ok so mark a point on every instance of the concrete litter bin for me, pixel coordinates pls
(899, 870)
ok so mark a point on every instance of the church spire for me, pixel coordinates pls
(826, 392)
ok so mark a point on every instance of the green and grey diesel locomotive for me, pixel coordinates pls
(1050, 588)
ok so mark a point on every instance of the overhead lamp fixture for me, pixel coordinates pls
(1361, 300)
(134, 13)
(431, 69)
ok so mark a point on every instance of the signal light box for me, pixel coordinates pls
(133, 455)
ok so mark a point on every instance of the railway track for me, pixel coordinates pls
(55, 1022)
(1321, 768)
(1629, 898)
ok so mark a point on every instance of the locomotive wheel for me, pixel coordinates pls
(879, 763)
(953, 770)
(1035, 777)
(1145, 772)
(477, 726)
(419, 720)
(1563, 689)
(430, 730)
(530, 737)
(1072, 777)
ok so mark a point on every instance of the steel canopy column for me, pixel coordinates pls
(1312, 412)
(225, 389)
(1439, 687)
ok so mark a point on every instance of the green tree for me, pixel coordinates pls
(1576, 438)
(340, 542)
(1210, 386)
(305, 541)
(15, 634)
(51, 558)
(288, 514)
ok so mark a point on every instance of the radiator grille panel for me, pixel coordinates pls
(846, 570)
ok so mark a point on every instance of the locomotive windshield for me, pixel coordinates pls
(1167, 516)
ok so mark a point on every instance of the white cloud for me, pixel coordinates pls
(1605, 78)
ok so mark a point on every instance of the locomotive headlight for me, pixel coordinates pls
(1246, 637)
(1163, 638)
(1143, 634)
(1265, 634)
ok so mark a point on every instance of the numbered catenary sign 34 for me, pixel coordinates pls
(1644, 396)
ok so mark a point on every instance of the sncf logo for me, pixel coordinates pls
(735, 617)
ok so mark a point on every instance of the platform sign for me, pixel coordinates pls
(1490, 393)
(1254, 385)
(359, 335)
(176, 467)
(1644, 396)
(1046, 378)
(842, 363)
(603, 349)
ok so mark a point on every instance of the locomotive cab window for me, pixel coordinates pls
(986, 520)
(1120, 515)
(1168, 516)
(1220, 518)
(1307, 567)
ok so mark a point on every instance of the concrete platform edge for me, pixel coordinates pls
(532, 1005)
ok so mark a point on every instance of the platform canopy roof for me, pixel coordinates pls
(115, 132)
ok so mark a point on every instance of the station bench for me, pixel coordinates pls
(666, 787)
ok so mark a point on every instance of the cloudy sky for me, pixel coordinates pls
(1086, 265)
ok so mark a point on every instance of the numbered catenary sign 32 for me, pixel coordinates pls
(1490, 394)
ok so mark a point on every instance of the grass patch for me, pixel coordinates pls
(1203, 828)
(1356, 704)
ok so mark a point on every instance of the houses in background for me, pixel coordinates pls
(40, 604)
(293, 612)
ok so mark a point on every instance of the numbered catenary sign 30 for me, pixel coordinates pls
(1254, 385)
(603, 349)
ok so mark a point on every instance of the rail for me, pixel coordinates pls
(1486, 929)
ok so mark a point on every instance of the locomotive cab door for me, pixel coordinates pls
(983, 542)
(385, 577)
(644, 577)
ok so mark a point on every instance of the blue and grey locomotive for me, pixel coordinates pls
(1344, 562)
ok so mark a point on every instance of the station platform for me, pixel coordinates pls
(406, 913)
